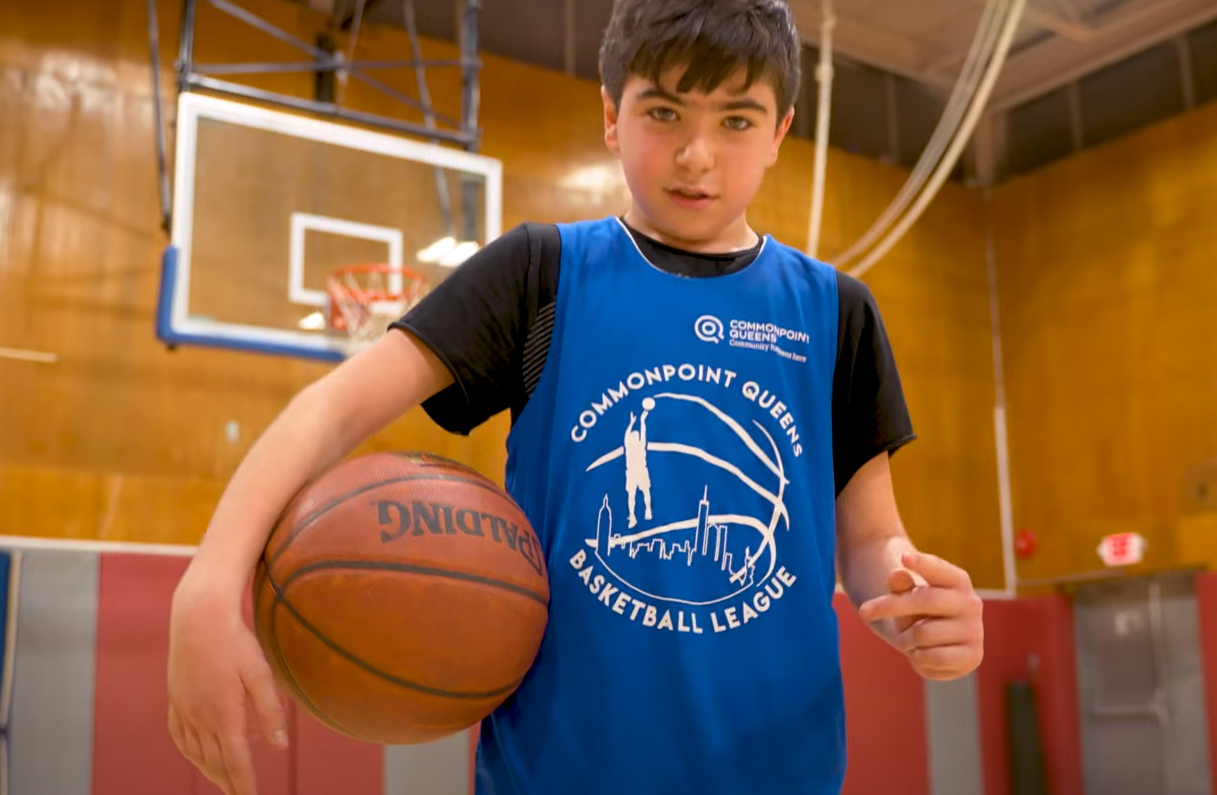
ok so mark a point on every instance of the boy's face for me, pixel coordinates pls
(694, 161)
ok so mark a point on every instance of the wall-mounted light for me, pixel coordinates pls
(447, 252)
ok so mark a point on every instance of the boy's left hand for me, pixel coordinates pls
(936, 615)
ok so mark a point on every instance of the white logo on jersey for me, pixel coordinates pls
(708, 328)
(702, 555)
(758, 336)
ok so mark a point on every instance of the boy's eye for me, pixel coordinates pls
(662, 114)
(737, 123)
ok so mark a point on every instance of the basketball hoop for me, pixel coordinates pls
(365, 299)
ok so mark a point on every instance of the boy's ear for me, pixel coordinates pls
(610, 121)
(780, 135)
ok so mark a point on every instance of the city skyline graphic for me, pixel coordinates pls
(704, 544)
(701, 557)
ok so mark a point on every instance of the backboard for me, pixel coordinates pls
(267, 204)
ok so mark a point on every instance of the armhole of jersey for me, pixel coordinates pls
(544, 248)
(542, 239)
(545, 252)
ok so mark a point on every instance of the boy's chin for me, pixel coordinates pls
(703, 225)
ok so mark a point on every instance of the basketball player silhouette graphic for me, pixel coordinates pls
(637, 478)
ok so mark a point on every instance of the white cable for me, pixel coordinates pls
(824, 77)
(944, 169)
(1005, 502)
(19, 354)
(965, 88)
(342, 75)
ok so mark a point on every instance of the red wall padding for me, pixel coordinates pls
(1031, 639)
(330, 763)
(885, 713)
(1206, 595)
(885, 702)
(133, 753)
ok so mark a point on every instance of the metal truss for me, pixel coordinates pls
(326, 63)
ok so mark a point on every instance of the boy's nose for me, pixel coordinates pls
(696, 155)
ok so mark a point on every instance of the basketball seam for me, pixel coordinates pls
(410, 568)
(281, 596)
(334, 503)
(431, 460)
(279, 599)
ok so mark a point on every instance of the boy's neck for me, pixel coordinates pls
(739, 237)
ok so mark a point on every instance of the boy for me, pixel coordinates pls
(692, 642)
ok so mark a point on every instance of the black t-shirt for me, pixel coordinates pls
(491, 321)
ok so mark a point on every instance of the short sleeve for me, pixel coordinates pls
(474, 322)
(870, 415)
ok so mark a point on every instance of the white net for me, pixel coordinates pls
(365, 299)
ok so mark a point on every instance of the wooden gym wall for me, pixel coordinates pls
(1107, 293)
(124, 440)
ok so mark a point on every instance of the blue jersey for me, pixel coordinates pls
(676, 462)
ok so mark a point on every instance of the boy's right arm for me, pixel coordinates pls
(215, 662)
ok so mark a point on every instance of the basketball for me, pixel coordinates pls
(401, 597)
(648, 403)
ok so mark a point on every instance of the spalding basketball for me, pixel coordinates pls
(401, 598)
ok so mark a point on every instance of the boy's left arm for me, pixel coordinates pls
(922, 605)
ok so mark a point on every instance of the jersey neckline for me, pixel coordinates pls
(763, 245)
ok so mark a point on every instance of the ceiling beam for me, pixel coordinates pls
(1057, 62)
(1072, 29)
(870, 44)
(347, 19)
(1070, 11)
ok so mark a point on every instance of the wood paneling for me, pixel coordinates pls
(1107, 289)
(933, 293)
(122, 439)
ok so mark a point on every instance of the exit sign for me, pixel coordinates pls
(1122, 549)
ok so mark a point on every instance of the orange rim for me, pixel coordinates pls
(413, 284)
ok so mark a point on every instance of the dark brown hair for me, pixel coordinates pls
(711, 38)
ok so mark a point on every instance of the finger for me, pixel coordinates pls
(216, 770)
(937, 571)
(927, 601)
(197, 756)
(239, 764)
(945, 662)
(929, 633)
(272, 721)
(176, 732)
(941, 674)
(191, 749)
(900, 581)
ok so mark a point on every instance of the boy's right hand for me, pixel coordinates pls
(216, 666)
(215, 662)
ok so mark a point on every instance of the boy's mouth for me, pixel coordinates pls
(690, 197)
